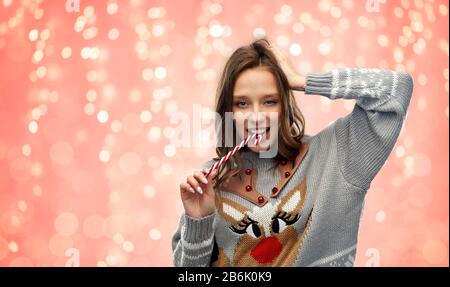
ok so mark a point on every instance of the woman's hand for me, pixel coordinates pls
(296, 80)
(197, 194)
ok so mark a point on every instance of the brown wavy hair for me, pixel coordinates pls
(291, 121)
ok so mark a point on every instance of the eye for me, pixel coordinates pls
(270, 102)
(278, 225)
(253, 230)
(241, 104)
(281, 220)
(248, 226)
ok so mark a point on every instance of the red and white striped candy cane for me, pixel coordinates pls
(233, 151)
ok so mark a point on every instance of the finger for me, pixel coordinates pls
(273, 47)
(279, 53)
(194, 184)
(212, 174)
(184, 187)
(205, 171)
(200, 177)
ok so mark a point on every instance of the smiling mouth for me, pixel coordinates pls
(258, 131)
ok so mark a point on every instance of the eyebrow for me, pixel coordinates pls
(265, 96)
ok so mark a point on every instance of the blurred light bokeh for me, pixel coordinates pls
(88, 173)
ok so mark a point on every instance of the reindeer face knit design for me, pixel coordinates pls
(268, 236)
(305, 212)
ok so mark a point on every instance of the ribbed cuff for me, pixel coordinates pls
(319, 83)
(197, 230)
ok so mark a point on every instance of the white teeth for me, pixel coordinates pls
(257, 131)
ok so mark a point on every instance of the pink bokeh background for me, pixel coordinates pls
(88, 172)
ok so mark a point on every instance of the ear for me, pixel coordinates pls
(231, 211)
(294, 199)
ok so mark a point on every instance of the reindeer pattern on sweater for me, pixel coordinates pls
(269, 235)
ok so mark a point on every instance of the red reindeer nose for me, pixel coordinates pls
(266, 250)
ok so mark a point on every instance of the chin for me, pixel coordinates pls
(262, 146)
(257, 149)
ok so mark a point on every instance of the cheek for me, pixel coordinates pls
(278, 108)
(238, 120)
(274, 117)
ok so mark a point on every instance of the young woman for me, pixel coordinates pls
(301, 207)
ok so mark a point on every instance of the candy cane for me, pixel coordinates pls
(233, 152)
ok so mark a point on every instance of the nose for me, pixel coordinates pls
(256, 118)
(267, 250)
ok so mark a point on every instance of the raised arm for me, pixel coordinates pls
(366, 136)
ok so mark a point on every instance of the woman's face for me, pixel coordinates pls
(255, 97)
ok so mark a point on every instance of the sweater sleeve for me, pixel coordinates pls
(367, 135)
(193, 242)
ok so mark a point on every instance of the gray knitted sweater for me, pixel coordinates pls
(305, 213)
